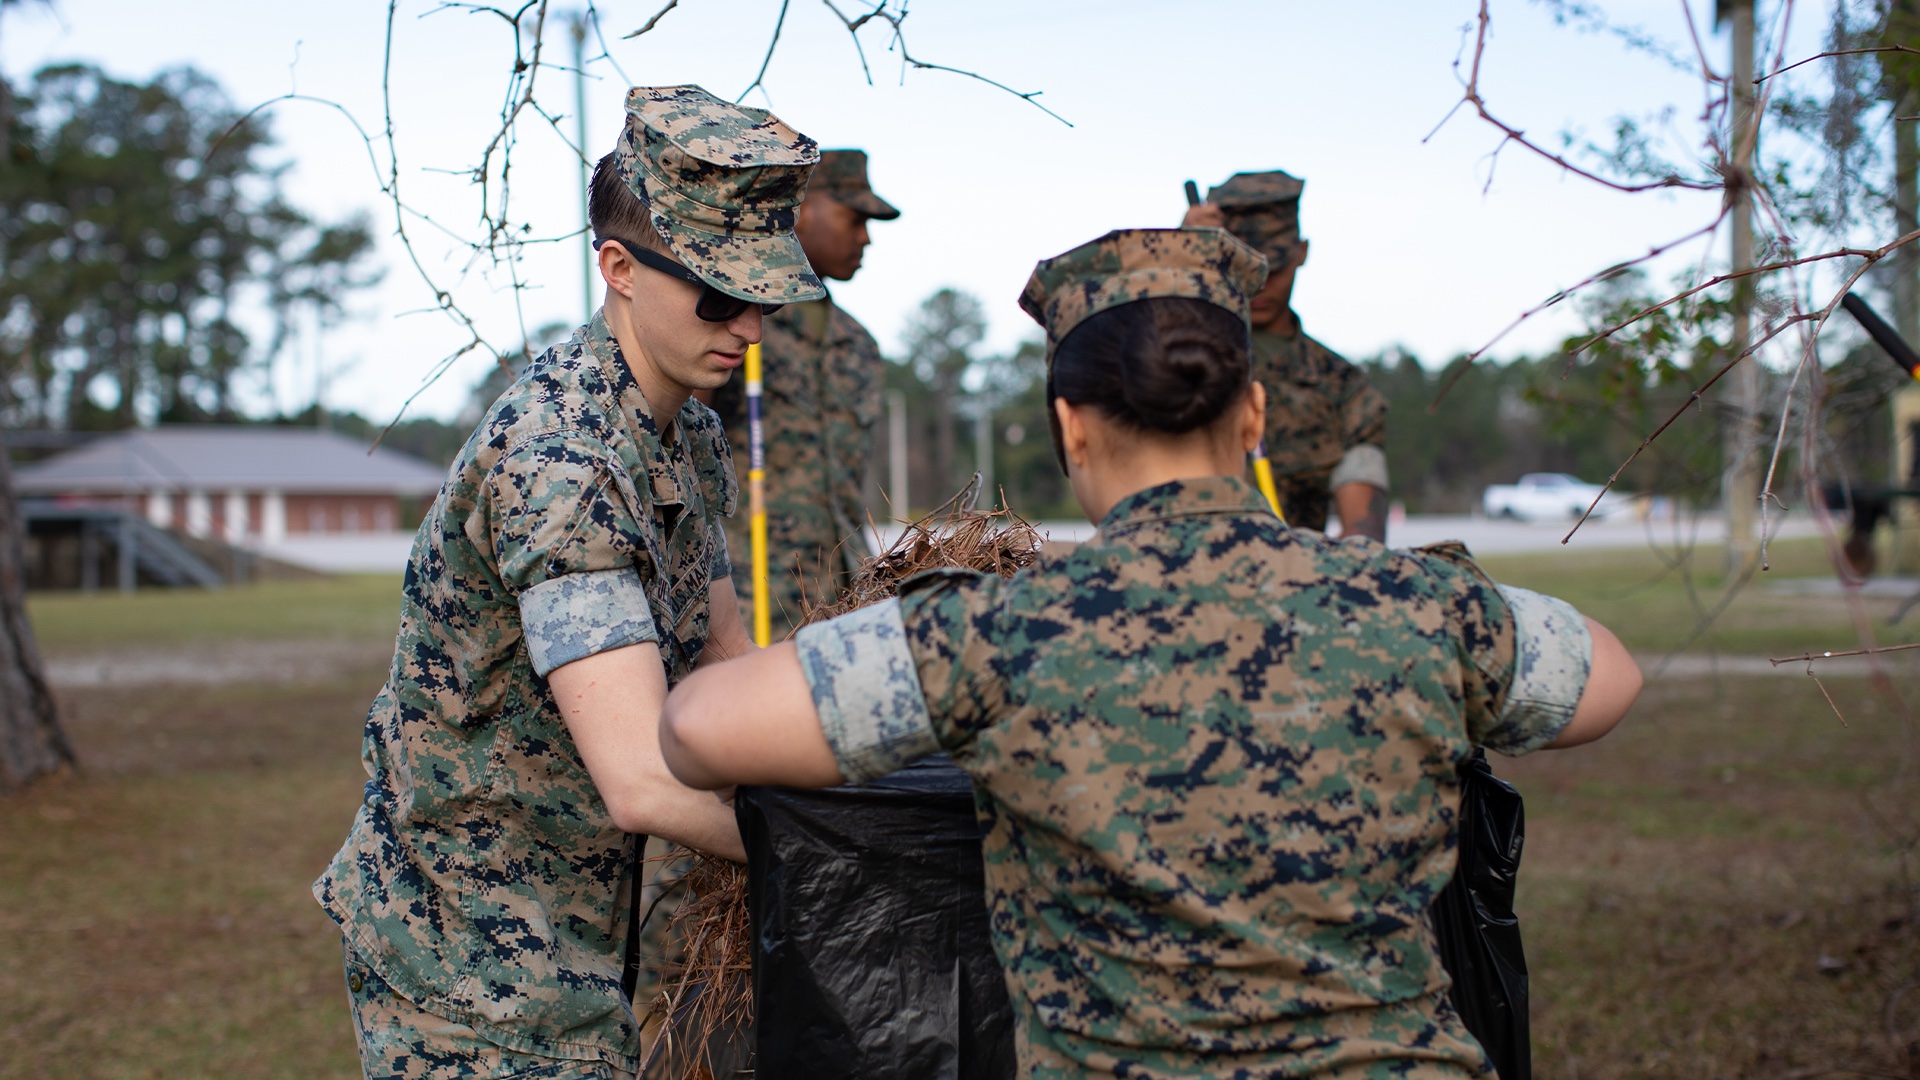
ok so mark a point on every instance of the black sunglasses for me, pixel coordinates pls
(713, 306)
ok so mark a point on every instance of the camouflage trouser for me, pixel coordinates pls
(401, 1041)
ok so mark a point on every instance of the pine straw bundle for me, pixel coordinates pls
(712, 991)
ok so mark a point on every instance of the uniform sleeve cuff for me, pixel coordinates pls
(867, 690)
(574, 616)
(1363, 464)
(1553, 656)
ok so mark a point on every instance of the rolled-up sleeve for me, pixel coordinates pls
(1362, 464)
(570, 549)
(1553, 657)
(574, 616)
(861, 674)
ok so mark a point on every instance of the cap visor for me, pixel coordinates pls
(869, 204)
(763, 269)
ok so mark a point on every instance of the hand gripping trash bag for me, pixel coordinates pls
(871, 956)
(1474, 920)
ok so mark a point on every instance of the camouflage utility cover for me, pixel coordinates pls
(842, 175)
(1321, 413)
(1216, 758)
(722, 182)
(1262, 209)
(821, 376)
(483, 878)
(1141, 264)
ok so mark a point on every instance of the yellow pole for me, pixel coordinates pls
(757, 503)
(1263, 476)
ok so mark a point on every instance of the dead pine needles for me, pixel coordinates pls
(710, 991)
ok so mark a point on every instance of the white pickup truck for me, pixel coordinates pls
(1547, 497)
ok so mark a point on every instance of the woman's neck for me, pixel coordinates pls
(1154, 462)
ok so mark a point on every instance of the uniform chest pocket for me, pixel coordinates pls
(679, 595)
(1303, 428)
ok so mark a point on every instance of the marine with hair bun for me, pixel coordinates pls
(1216, 757)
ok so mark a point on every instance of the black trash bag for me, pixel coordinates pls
(1474, 920)
(871, 955)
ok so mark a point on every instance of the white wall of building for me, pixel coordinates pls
(199, 514)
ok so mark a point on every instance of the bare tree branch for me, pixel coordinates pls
(774, 43)
(1776, 661)
(1472, 96)
(1842, 52)
(653, 22)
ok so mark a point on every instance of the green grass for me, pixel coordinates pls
(1714, 891)
(350, 606)
(1657, 608)
(154, 914)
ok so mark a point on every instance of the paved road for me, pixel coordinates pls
(1486, 536)
(387, 552)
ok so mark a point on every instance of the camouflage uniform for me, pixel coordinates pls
(1216, 758)
(821, 377)
(1326, 425)
(484, 885)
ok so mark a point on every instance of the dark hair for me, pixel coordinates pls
(1168, 364)
(615, 212)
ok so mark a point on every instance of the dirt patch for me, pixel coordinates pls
(174, 728)
(217, 663)
(1722, 889)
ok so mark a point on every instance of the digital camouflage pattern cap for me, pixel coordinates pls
(843, 175)
(721, 182)
(1263, 209)
(1141, 264)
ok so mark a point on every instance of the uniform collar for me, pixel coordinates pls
(811, 321)
(1292, 320)
(620, 396)
(1185, 498)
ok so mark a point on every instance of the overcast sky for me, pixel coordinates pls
(1431, 245)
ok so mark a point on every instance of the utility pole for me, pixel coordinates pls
(1901, 78)
(983, 457)
(897, 455)
(586, 175)
(1740, 478)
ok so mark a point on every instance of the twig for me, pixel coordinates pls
(1692, 400)
(778, 24)
(1838, 715)
(1871, 255)
(909, 60)
(1840, 52)
(1776, 661)
(1567, 293)
(1471, 96)
(653, 22)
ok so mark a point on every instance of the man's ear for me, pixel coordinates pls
(1300, 255)
(616, 269)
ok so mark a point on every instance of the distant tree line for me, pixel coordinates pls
(1495, 421)
(138, 222)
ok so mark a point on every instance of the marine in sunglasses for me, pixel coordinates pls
(572, 569)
